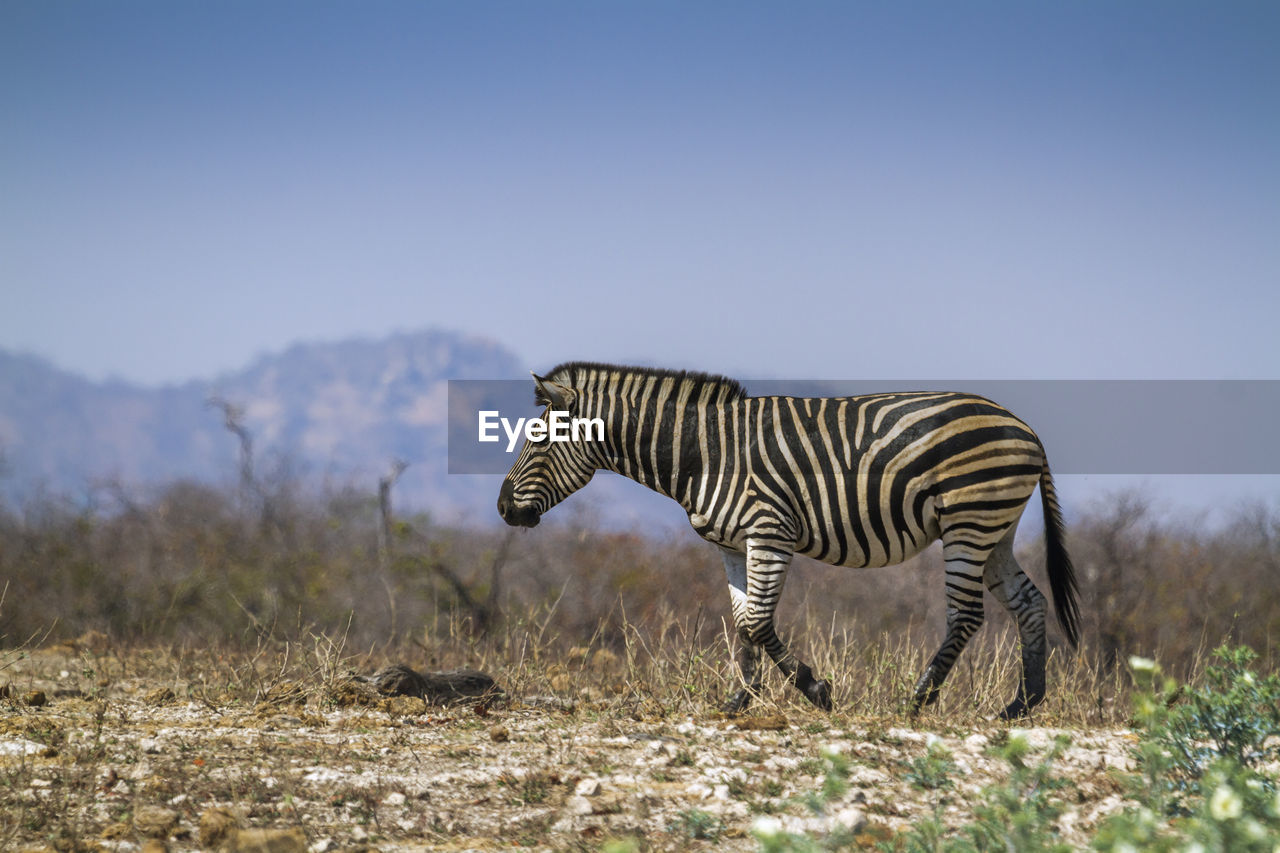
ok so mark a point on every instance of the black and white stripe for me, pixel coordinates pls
(852, 481)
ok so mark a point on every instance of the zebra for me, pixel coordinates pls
(861, 482)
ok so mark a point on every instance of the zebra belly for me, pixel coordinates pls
(858, 544)
(864, 541)
(899, 547)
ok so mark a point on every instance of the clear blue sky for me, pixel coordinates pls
(924, 189)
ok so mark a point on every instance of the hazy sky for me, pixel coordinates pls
(923, 189)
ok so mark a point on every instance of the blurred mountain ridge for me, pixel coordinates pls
(338, 412)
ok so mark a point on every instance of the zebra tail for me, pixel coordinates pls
(1062, 576)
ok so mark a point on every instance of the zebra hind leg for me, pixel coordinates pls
(1026, 604)
(964, 616)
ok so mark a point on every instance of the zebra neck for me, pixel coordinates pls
(669, 448)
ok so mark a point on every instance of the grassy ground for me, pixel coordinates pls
(208, 694)
(109, 748)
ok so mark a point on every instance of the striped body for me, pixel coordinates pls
(854, 481)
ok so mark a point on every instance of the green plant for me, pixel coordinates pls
(835, 782)
(1236, 813)
(1018, 814)
(931, 771)
(1234, 716)
(1232, 720)
(1206, 780)
(682, 758)
(700, 825)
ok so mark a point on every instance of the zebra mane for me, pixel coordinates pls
(574, 373)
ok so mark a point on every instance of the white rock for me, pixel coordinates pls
(322, 845)
(395, 798)
(578, 805)
(850, 819)
(323, 775)
(588, 787)
(726, 774)
(699, 791)
(149, 745)
(720, 792)
(905, 735)
(19, 746)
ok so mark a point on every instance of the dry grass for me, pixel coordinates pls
(199, 652)
(269, 732)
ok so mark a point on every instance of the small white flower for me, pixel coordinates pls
(765, 826)
(1194, 847)
(1253, 830)
(1141, 664)
(1225, 804)
(1123, 847)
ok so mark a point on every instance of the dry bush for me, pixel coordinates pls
(196, 565)
(1154, 585)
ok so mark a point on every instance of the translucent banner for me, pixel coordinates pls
(1145, 427)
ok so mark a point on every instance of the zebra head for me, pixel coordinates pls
(546, 472)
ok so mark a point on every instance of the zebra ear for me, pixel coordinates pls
(553, 394)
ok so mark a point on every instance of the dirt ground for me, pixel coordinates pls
(132, 758)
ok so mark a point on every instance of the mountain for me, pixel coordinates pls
(333, 412)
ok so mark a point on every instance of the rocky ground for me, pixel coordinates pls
(132, 761)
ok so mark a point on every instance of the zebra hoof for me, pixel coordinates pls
(819, 693)
(1016, 710)
(739, 703)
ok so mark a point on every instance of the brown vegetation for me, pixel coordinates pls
(195, 564)
(189, 661)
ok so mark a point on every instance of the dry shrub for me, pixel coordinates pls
(192, 564)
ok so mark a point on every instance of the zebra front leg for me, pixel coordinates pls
(735, 570)
(765, 568)
(749, 665)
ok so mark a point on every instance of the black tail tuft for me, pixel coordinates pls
(1062, 576)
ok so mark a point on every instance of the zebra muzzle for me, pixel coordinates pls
(513, 513)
